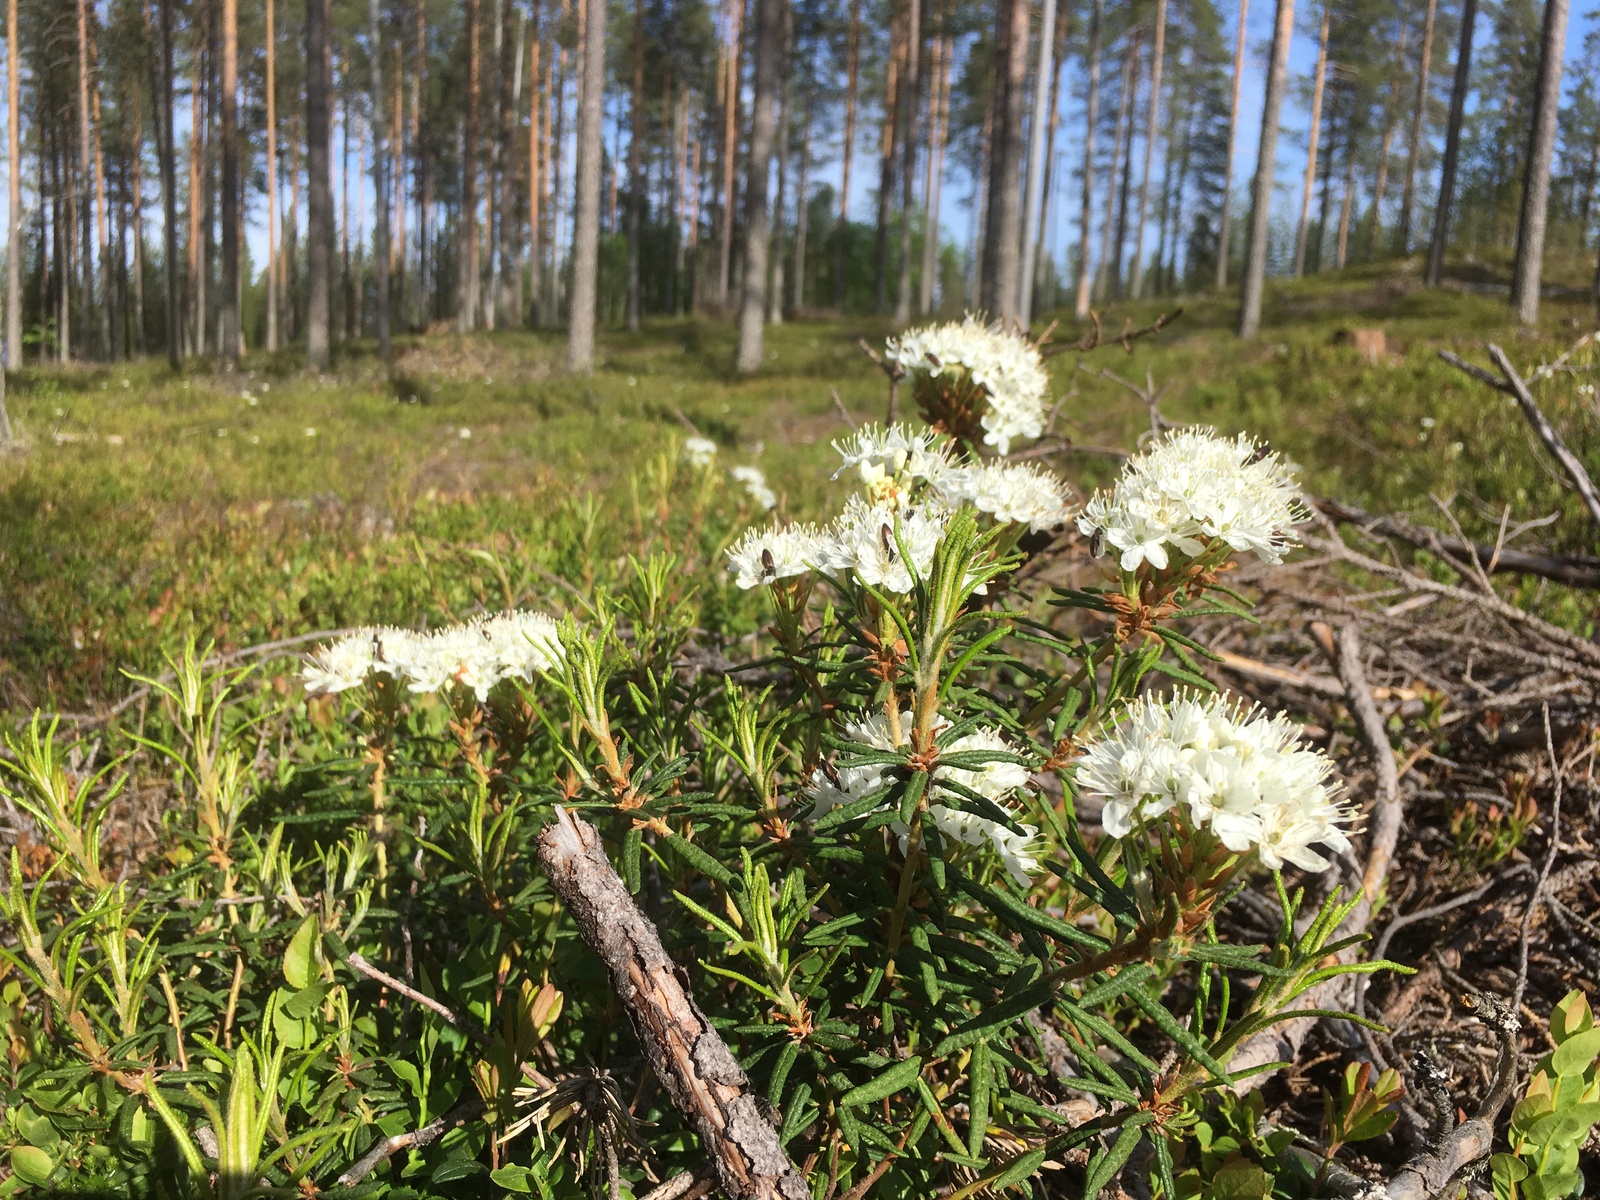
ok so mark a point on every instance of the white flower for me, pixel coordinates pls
(310, 432)
(1191, 487)
(764, 556)
(894, 450)
(1232, 769)
(475, 656)
(755, 486)
(867, 539)
(1010, 492)
(699, 451)
(1005, 365)
(464, 433)
(996, 781)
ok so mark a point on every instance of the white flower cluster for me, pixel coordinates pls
(1012, 493)
(1191, 486)
(475, 656)
(896, 453)
(1232, 769)
(764, 556)
(754, 482)
(997, 781)
(874, 541)
(699, 451)
(1005, 365)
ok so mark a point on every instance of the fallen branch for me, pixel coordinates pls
(385, 1148)
(1512, 385)
(688, 1055)
(1095, 337)
(1580, 571)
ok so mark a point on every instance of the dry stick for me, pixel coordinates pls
(1544, 872)
(1512, 385)
(842, 410)
(1573, 570)
(687, 1185)
(688, 1055)
(1281, 1043)
(385, 1148)
(895, 373)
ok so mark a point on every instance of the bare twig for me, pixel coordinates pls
(385, 1148)
(688, 1055)
(1512, 385)
(844, 412)
(895, 373)
(1095, 337)
(1537, 898)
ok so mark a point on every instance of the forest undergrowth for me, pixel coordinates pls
(346, 928)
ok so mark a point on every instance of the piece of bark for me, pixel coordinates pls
(688, 1055)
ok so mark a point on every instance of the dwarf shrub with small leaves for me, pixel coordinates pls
(942, 863)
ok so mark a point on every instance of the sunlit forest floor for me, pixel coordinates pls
(268, 503)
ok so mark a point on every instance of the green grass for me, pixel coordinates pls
(149, 506)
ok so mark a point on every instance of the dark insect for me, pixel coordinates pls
(888, 541)
(1097, 544)
(1256, 455)
(769, 568)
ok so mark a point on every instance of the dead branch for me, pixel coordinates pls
(385, 1148)
(1512, 385)
(844, 412)
(689, 1057)
(1095, 337)
(895, 373)
(688, 1185)
(1579, 571)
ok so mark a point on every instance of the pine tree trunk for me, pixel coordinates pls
(1347, 201)
(586, 219)
(319, 193)
(886, 160)
(1531, 220)
(775, 281)
(934, 183)
(536, 104)
(1319, 82)
(1091, 125)
(730, 153)
(136, 199)
(763, 122)
(467, 241)
(1225, 225)
(852, 72)
(272, 178)
(1114, 256)
(635, 170)
(197, 132)
(380, 182)
(347, 283)
(1106, 267)
(1255, 263)
(802, 213)
(13, 348)
(86, 252)
(1452, 147)
(508, 258)
(1385, 146)
(228, 332)
(1152, 130)
(1052, 186)
(1003, 232)
(1408, 192)
(1177, 213)
(909, 105)
(1037, 151)
(424, 308)
(980, 202)
(102, 235)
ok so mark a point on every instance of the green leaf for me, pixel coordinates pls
(993, 1019)
(700, 860)
(1012, 910)
(300, 959)
(513, 1178)
(32, 1165)
(1103, 1166)
(896, 1078)
(1175, 1030)
(458, 1168)
(980, 1082)
(1577, 1054)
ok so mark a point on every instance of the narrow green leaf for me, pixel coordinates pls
(896, 1078)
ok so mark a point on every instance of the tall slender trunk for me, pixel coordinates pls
(13, 348)
(84, 167)
(272, 178)
(1385, 145)
(289, 263)
(886, 161)
(420, 151)
(933, 185)
(1255, 262)
(586, 221)
(1324, 206)
(467, 242)
(802, 212)
(1319, 82)
(1091, 125)
(197, 137)
(1532, 218)
(319, 193)
(1402, 238)
(1347, 201)
(347, 280)
(763, 122)
(852, 71)
(730, 153)
(1176, 120)
(775, 287)
(536, 103)
(1225, 224)
(380, 182)
(676, 263)
(1037, 150)
(635, 169)
(1152, 130)
(1452, 146)
(980, 202)
(1177, 213)
(1003, 232)
(102, 236)
(228, 332)
(908, 154)
(1118, 279)
(1113, 225)
(508, 254)
(169, 188)
(1052, 184)
(136, 201)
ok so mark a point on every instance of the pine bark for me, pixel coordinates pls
(1319, 82)
(1225, 224)
(1408, 191)
(1003, 232)
(1091, 126)
(319, 192)
(763, 123)
(775, 280)
(508, 236)
(933, 187)
(86, 253)
(1255, 264)
(380, 183)
(169, 190)
(228, 333)
(734, 73)
(636, 182)
(1038, 149)
(467, 251)
(1152, 130)
(802, 214)
(1112, 227)
(1341, 253)
(536, 103)
(886, 162)
(1052, 185)
(586, 217)
(1531, 221)
(908, 154)
(852, 75)
(1452, 147)
(13, 347)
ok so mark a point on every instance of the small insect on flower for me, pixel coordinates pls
(974, 380)
(764, 556)
(866, 540)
